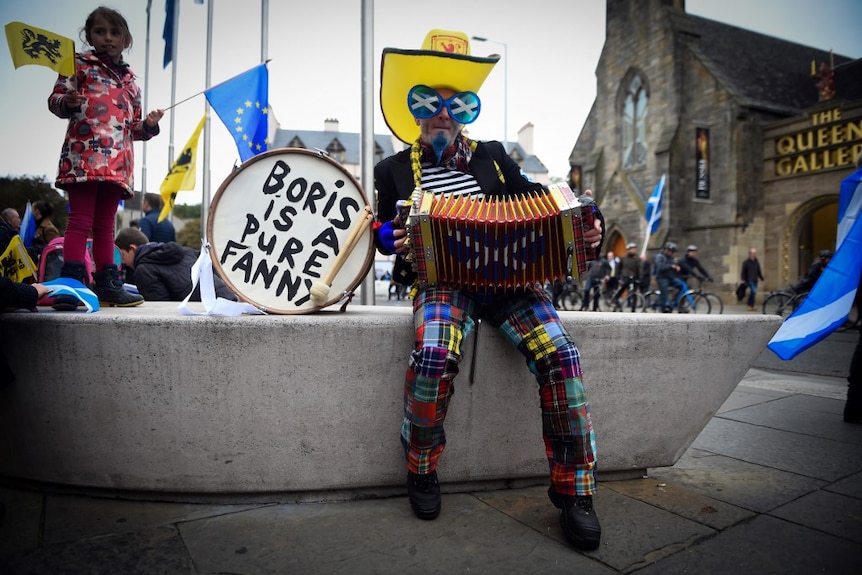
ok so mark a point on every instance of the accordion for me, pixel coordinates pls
(498, 243)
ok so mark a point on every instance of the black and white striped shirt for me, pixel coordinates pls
(449, 182)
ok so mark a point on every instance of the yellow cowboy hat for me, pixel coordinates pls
(443, 61)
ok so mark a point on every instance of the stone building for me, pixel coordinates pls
(754, 134)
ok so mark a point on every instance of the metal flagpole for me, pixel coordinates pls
(205, 204)
(367, 295)
(174, 35)
(264, 30)
(146, 92)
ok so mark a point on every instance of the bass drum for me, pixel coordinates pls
(277, 224)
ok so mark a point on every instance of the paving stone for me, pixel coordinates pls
(380, 536)
(739, 483)
(851, 485)
(817, 416)
(147, 552)
(19, 528)
(633, 533)
(682, 501)
(72, 517)
(785, 450)
(765, 545)
(743, 396)
(828, 512)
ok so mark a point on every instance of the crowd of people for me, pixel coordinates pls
(613, 275)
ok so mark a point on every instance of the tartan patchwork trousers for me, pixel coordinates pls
(443, 318)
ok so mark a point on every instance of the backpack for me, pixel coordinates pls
(51, 262)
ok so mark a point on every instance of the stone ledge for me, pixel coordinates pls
(144, 399)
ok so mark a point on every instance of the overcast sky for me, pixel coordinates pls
(552, 46)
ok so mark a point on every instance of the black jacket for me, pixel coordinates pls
(163, 273)
(751, 270)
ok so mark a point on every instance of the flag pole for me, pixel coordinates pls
(205, 199)
(174, 35)
(146, 92)
(368, 296)
(196, 94)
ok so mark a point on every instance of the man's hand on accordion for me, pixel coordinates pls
(392, 237)
(593, 237)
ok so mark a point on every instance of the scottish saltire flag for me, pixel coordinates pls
(242, 103)
(828, 303)
(183, 174)
(28, 226)
(76, 289)
(653, 207)
(31, 45)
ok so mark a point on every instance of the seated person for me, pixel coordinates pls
(162, 271)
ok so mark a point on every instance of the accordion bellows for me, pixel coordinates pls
(499, 243)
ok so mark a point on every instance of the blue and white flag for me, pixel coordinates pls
(242, 103)
(828, 303)
(73, 287)
(28, 226)
(653, 207)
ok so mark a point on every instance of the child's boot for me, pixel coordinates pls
(108, 285)
(76, 271)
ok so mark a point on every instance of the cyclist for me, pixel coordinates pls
(690, 266)
(628, 270)
(666, 270)
(600, 270)
(813, 274)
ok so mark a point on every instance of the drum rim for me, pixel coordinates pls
(369, 257)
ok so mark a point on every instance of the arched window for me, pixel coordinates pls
(634, 123)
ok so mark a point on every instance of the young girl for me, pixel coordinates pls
(103, 106)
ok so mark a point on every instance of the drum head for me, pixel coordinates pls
(277, 224)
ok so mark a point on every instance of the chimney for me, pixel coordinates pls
(525, 138)
(330, 125)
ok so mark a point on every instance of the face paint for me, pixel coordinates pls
(440, 143)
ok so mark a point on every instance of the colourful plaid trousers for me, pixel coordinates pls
(443, 318)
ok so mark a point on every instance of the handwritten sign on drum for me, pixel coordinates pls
(277, 225)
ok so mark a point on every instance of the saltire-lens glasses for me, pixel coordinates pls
(425, 102)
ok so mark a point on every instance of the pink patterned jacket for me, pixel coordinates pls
(99, 144)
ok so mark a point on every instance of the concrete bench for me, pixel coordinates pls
(144, 399)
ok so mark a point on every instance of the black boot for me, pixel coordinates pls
(578, 519)
(424, 494)
(76, 271)
(108, 285)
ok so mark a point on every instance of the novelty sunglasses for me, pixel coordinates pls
(425, 102)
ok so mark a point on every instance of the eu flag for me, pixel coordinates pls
(242, 103)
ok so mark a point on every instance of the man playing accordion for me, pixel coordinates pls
(427, 97)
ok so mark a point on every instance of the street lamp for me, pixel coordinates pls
(505, 88)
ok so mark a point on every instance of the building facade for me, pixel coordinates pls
(751, 142)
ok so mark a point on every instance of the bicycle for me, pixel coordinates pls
(715, 301)
(569, 298)
(628, 296)
(783, 301)
(600, 298)
(685, 301)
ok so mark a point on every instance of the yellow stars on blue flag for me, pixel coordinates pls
(242, 105)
